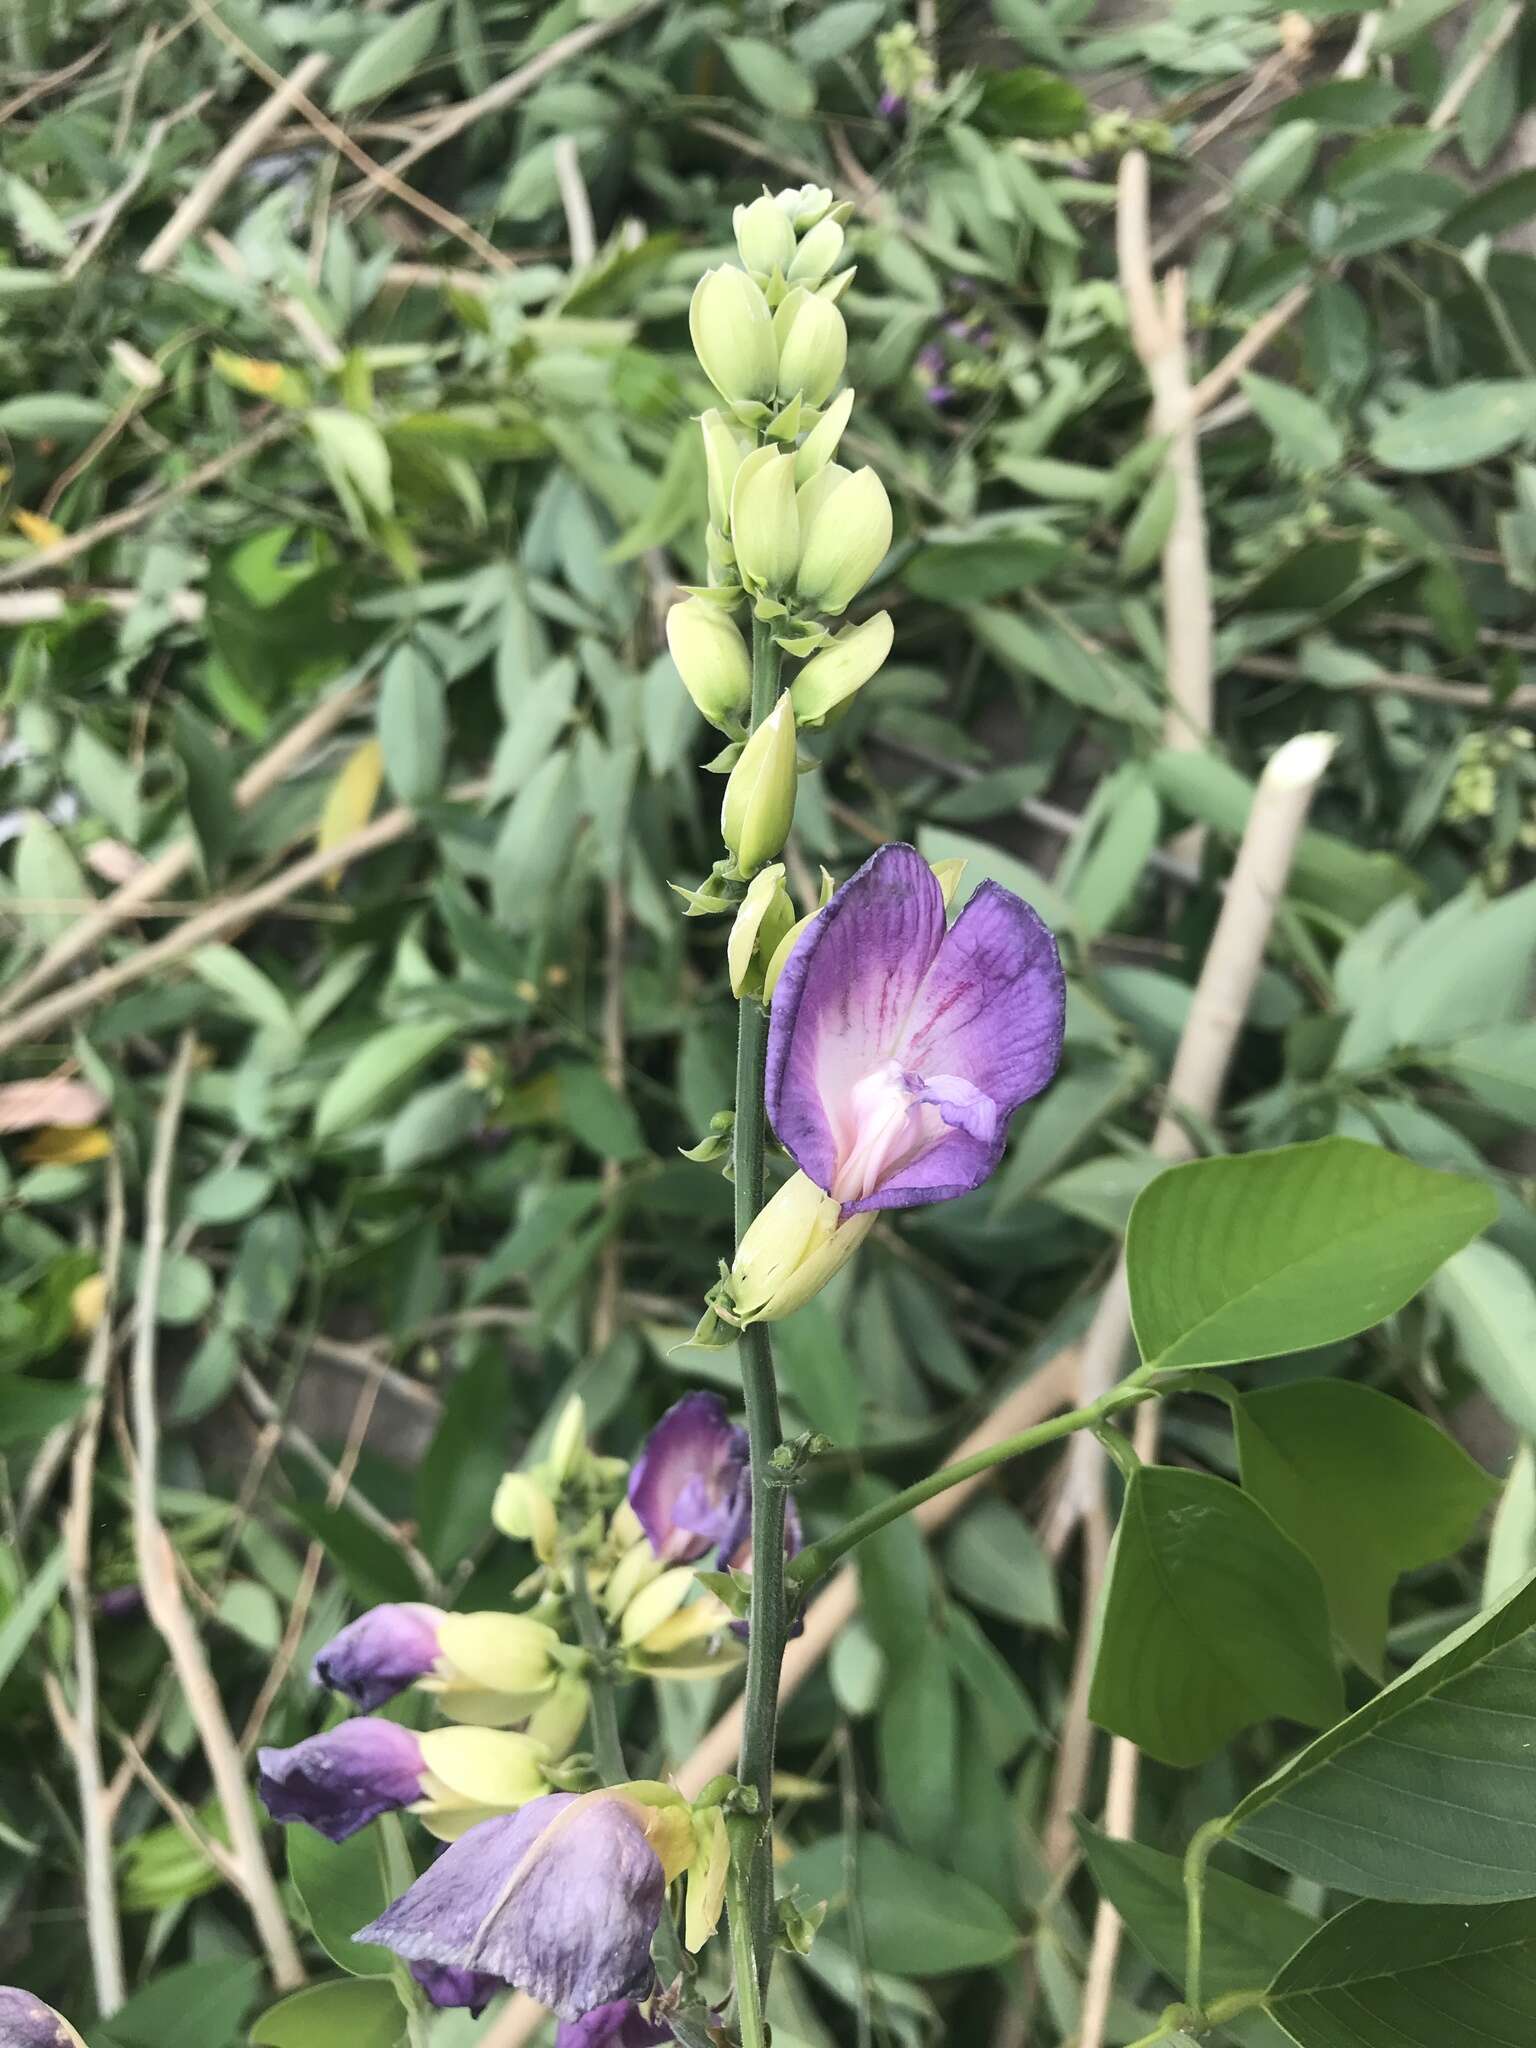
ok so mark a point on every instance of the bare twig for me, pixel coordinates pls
(176, 1811)
(156, 877)
(157, 1560)
(143, 508)
(1357, 59)
(575, 201)
(1047, 1390)
(1428, 689)
(104, 1936)
(50, 83)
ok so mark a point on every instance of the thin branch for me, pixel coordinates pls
(575, 201)
(50, 83)
(156, 1559)
(1428, 689)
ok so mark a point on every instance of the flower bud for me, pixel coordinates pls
(468, 1774)
(813, 351)
(820, 444)
(525, 1512)
(779, 959)
(711, 657)
(765, 527)
(732, 332)
(568, 1441)
(843, 667)
(804, 204)
(492, 1668)
(764, 235)
(792, 1249)
(816, 254)
(760, 795)
(811, 495)
(765, 916)
(561, 1715)
(845, 542)
(723, 450)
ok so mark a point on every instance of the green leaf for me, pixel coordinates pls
(1428, 1792)
(594, 1111)
(1366, 1486)
(1236, 1259)
(1088, 677)
(918, 1920)
(1444, 1976)
(361, 2013)
(342, 1887)
(246, 989)
(30, 1408)
(435, 1122)
(23, 1620)
(1454, 428)
(1248, 1933)
(388, 58)
(1490, 1301)
(266, 1272)
(356, 459)
(53, 416)
(1212, 1620)
(993, 1560)
(774, 80)
(1147, 528)
(1304, 435)
(375, 1070)
(229, 1195)
(919, 1734)
(413, 726)
(830, 31)
(35, 219)
(47, 875)
(458, 1477)
(199, 2005)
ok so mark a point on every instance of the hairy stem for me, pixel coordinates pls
(814, 1562)
(765, 1643)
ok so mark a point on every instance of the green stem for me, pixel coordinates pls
(399, 1874)
(1172, 2022)
(607, 1743)
(766, 1625)
(749, 1997)
(1196, 1856)
(819, 1558)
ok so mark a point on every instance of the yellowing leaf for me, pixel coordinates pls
(87, 1303)
(350, 803)
(42, 533)
(57, 1145)
(261, 378)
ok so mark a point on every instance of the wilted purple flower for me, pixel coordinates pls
(560, 1899)
(341, 1780)
(899, 1050)
(446, 1986)
(619, 2025)
(25, 2022)
(380, 1653)
(689, 1485)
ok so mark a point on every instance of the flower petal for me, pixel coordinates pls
(447, 1987)
(341, 1780)
(842, 1002)
(620, 2024)
(686, 1484)
(25, 2022)
(380, 1653)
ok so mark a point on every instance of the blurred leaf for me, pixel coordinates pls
(343, 1887)
(918, 1920)
(364, 2013)
(1490, 1301)
(773, 80)
(413, 726)
(388, 57)
(374, 1072)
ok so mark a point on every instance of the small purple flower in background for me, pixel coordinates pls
(120, 1603)
(339, 1781)
(619, 2025)
(445, 1986)
(893, 107)
(899, 1050)
(380, 1653)
(689, 1485)
(932, 367)
(560, 1899)
(25, 2022)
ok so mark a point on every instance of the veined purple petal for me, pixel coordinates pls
(688, 1482)
(561, 1899)
(25, 2022)
(339, 1781)
(842, 1003)
(380, 1653)
(620, 2024)
(445, 1986)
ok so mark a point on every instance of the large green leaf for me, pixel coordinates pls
(358, 2013)
(918, 1920)
(1212, 1620)
(1233, 1259)
(342, 1886)
(1385, 1976)
(1428, 1793)
(375, 1070)
(1248, 1933)
(1366, 1486)
(199, 2005)
(1454, 428)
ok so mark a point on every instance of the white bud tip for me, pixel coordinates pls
(1301, 761)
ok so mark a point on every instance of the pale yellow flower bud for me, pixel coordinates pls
(732, 332)
(765, 526)
(804, 204)
(558, 1719)
(472, 1773)
(846, 540)
(723, 450)
(817, 253)
(820, 444)
(568, 1444)
(492, 1668)
(841, 669)
(711, 657)
(764, 235)
(813, 351)
(760, 794)
(780, 957)
(764, 917)
(793, 1247)
(525, 1512)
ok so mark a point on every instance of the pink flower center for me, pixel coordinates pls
(894, 1117)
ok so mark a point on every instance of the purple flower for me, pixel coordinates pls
(380, 1653)
(899, 1050)
(619, 2025)
(446, 1986)
(560, 1899)
(689, 1485)
(893, 106)
(25, 2022)
(341, 1780)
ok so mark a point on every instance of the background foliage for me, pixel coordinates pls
(432, 446)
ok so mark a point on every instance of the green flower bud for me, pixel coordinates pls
(765, 527)
(760, 795)
(492, 1668)
(846, 540)
(723, 450)
(561, 1715)
(732, 332)
(842, 668)
(820, 444)
(779, 959)
(816, 254)
(525, 1512)
(792, 1249)
(804, 204)
(711, 657)
(470, 1774)
(813, 351)
(764, 236)
(765, 916)
(810, 497)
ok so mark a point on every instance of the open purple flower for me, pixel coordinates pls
(619, 2025)
(380, 1653)
(560, 1899)
(341, 1780)
(689, 1485)
(898, 1049)
(25, 2022)
(445, 1986)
